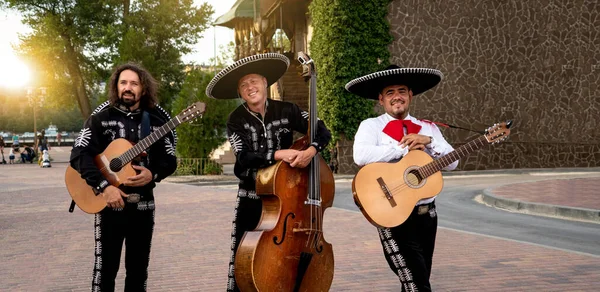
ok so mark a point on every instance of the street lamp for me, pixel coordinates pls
(35, 98)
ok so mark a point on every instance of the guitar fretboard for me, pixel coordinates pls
(138, 148)
(462, 151)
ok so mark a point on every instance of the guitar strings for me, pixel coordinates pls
(430, 166)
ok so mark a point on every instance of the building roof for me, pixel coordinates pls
(240, 9)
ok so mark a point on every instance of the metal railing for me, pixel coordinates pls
(198, 166)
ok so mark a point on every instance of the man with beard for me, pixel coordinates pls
(408, 248)
(261, 132)
(130, 113)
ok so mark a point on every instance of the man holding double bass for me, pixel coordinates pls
(260, 131)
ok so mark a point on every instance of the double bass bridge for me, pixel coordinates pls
(313, 202)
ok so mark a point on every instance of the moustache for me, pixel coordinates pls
(127, 92)
(395, 101)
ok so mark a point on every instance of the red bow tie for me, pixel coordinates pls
(395, 129)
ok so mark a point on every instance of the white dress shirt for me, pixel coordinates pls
(371, 144)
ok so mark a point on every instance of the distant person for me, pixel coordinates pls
(11, 156)
(42, 141)
(58, 137)
(15, 143)
(2, 149)
(27, 155)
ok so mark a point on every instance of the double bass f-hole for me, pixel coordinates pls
(318, 247)
(285, 223)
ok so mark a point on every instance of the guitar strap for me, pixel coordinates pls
(145, 131)
(145, 124)
(145, 128)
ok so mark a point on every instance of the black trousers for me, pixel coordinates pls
(247, 213)
(134, 224)
(408, 248)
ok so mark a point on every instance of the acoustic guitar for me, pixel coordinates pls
(386, 193)
(115, 161)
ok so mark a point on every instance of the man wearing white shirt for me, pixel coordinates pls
(408, 248)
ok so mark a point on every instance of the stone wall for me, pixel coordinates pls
(536, 62)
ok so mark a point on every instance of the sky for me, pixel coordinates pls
(204, 49)
(11, 26)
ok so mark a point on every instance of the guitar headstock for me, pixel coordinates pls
(498, 132)
(192, 112)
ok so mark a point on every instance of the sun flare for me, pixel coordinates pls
(13, 72)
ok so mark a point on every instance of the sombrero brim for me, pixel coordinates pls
(270, 65)
(418, 80)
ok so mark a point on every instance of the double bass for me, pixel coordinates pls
(287, 250)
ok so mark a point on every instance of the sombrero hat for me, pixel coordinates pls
(270, 65)
(418, 80)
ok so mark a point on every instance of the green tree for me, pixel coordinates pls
(199, 139)
(156, 34)
(350, 39)
(226, 56)
(67, 46)
(75, 43)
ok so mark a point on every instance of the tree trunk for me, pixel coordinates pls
(126, 4)
(74, 70)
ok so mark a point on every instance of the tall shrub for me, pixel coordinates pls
(350, 39)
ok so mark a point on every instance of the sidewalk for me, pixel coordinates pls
(45, 248)
(575, 199)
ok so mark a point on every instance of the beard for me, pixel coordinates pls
(128, 102)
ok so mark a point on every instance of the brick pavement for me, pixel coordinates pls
(577, 192)
(45, 248)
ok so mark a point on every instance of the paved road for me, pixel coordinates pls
(45, 248)
(458, 210)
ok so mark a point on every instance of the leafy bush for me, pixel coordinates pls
(200, 138)
(350, 39)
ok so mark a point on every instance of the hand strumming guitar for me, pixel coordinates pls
(114, 197)
(141, 179)
(415, 141)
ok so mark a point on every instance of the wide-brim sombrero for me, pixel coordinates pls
(270, 65)
(418, 80)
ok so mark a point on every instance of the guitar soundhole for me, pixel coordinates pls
(413, 178)
(116, 164)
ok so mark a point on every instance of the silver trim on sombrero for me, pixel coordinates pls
(240, 63)
(396, 71)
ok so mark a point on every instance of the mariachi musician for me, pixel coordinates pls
(408, 248)
(260, 131)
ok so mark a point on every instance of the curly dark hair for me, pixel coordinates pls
(149, 85)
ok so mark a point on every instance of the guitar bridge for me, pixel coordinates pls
(386, 191)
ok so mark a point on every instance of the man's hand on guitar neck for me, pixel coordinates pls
(114, 197)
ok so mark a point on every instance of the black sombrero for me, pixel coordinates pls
(270, 65)
(418, 80)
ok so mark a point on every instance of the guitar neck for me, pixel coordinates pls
(462, 151)
(138, 148)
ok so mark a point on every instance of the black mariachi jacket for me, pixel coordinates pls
(108, 123)
(254, 140)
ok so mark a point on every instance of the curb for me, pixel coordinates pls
(574, 213)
